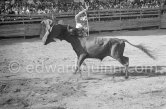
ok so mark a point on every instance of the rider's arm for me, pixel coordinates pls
(79, 14)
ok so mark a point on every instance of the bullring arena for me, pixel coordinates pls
(35, 76)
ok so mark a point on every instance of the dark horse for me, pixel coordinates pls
(92, 47)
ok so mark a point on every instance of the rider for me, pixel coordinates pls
(81, 20)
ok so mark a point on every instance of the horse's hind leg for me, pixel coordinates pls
(117, 51)
(125, 62)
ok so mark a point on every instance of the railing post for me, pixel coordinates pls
(140, 13)
(120, 15)
(141, 18)
(160, 17)
(121, 23)
(99, 15)
(24, 28)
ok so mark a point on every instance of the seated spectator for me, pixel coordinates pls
(47, 7)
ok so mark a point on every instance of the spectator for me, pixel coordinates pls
(60, 7)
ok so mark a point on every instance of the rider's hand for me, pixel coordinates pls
(86, 5)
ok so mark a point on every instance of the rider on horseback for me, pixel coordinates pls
(81, 20)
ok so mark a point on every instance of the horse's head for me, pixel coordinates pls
(62, 32)
(76, 32)
(56, 32)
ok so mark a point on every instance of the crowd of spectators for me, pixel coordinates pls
(60, 7)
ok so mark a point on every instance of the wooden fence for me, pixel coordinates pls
(118, 19)
(113, 19)
(22, 25)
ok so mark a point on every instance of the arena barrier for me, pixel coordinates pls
(99, 20)
(118, 19)
(21, 25)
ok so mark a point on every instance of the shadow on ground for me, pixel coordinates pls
(148, 71)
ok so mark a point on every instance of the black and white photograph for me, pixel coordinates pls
(82, 54)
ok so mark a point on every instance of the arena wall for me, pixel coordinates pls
(115, 19)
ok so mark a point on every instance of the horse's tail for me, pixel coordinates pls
(142, 48)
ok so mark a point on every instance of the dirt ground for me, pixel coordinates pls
(34, 76)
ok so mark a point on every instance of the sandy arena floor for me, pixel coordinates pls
(34, 76)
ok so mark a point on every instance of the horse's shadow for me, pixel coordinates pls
(134, 71)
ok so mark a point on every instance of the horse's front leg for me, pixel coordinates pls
(80, 60)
